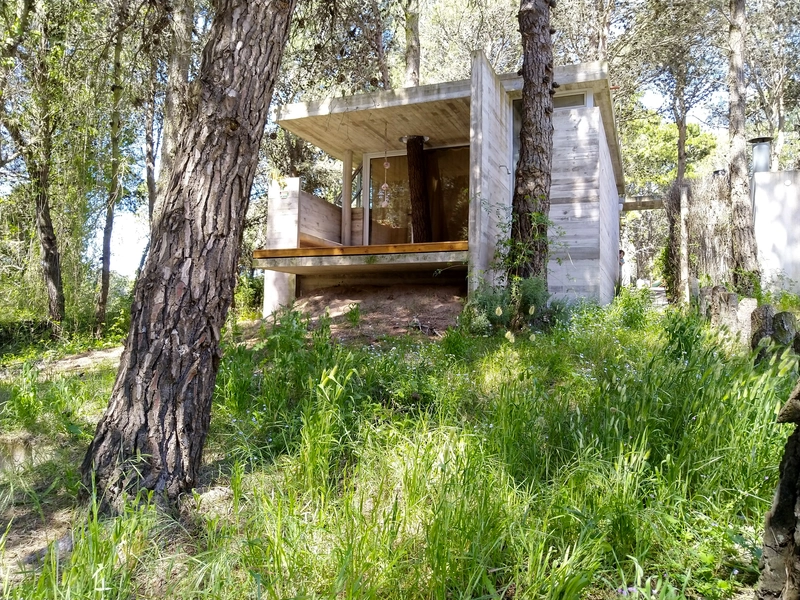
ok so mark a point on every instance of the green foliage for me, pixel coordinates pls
(104, 559)
(632, 307)
(666, 265)
(602, 457)
(651, 152)
(353, 314)
(782, 300)
(249, 296)
(523, 303)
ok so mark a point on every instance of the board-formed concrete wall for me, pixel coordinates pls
(283, 231)
(491, 179)
(777, 226)
(609, 221)
(584, 209)
(584, 202)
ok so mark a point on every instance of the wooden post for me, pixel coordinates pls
(347, 197)
(685, 243)
(418, 190)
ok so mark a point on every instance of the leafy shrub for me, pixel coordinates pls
(249, 296)
(631, 307)
(523, 302)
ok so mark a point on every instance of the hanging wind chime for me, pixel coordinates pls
(383, 195)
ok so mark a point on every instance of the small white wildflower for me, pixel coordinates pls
(498, 311)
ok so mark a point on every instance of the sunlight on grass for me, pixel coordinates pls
(626, 452)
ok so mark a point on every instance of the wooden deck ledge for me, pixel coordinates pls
(362, 250)
(364, 259)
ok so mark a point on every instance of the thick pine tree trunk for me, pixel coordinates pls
(153, 431)
(780, 558)
(418, 190)
(531, 202)
(149, 142)
(746, 272)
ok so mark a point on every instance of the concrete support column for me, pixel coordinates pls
(347, 198)
(283, 231)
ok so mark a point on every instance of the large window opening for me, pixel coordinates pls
(447, 177)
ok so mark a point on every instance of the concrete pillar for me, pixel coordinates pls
(347, 198)
(283, 231)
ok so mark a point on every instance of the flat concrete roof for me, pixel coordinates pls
(376, 121)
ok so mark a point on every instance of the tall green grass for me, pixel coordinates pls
(626, 452)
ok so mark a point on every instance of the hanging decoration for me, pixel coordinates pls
(383, 195)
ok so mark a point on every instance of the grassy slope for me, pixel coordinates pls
(625, 450)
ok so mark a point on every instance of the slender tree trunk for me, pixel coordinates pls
(603, 8)
(381, 52)
(37, 152)
(746, 272)
(115, 184)
(149, 142)
(51, 259)
(39, 157)
(678, 227)
(418, 190)
(531, 202)
(411, 10)
(178, 61)
(154, 429)
(679, 113)
(780, 137)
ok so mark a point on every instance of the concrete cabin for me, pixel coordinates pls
(472, 137)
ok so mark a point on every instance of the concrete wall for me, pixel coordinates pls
(320, 221)
(575, 206)
(283, 231)
(609, 221)
(491, 179)
(777, 225)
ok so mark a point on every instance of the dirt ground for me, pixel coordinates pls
(385, 311)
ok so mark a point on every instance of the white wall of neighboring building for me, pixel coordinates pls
(776, 197)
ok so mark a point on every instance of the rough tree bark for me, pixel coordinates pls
(149, 140)
(746, 272)
(780, 558)
(115, 183)
(531, 202)
(411, 13)
(152, 433)
(178, 60)
(418, 190)
(51, 258)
